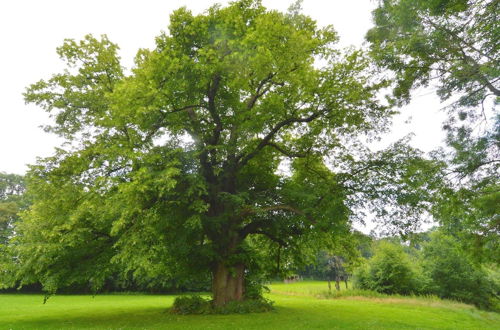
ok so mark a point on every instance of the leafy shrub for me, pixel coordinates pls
(442, 269)
(454, 276)
(389, 271)
(362, 279)
(198, 305)
(191, 305)
(254, 287)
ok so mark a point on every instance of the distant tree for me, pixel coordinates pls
(174, 170)
(12, 188)
(388, 271)
(452, 275)
(336, 271)
(338, 263)
(12, 201)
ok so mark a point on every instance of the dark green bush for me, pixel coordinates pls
(442, 268)
(452, 275)
(389, 271)
(198, 305)
(191, 305)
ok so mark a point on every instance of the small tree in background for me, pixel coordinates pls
(452, 275)
(389, 271)
(12, 201)
(336, 271)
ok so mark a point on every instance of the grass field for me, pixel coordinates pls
(297, 307)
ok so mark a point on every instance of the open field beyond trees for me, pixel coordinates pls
(298, 306)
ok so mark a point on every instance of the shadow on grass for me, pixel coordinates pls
(112, 318)
(149, 318)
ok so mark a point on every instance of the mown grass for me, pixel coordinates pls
(297, 308)
(306, 287)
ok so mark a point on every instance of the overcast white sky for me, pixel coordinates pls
(30, 31)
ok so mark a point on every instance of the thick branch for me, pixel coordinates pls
(253, 99)
(477, 72)
(212, 91)
(287, 153)
(257, 225)
(271, 237)
(243, 159)
(195, 133)
(187, 107)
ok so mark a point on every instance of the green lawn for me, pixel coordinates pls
(297, 307)
(305, 287)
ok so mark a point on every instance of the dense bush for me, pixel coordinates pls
(440, 268)
(199, 305)
(389, 271)
(191, 305)
(452, 275)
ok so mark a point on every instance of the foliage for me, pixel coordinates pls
(339, 260)
(454, 276)
(439, 267)
(191, 305)
(12, 201)
(12, 188)
(389, 271)
(173, 171)
(453, 45)
(397, 185)
(471, 213)
(453, 41)
(186, 305)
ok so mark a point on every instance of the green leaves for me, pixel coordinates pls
(77, 98)
(453, 45)
(447, 41)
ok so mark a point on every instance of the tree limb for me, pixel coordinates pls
(243, 159)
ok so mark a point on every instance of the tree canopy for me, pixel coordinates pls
(452, 41)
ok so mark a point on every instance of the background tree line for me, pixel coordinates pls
(434, 263)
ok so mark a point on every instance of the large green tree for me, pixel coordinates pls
(453, 46)
(229, 144)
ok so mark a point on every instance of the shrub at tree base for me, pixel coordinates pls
(198, 305)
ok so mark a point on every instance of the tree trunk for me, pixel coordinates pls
(228, 283)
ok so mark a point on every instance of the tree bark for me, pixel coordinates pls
(228, 283)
